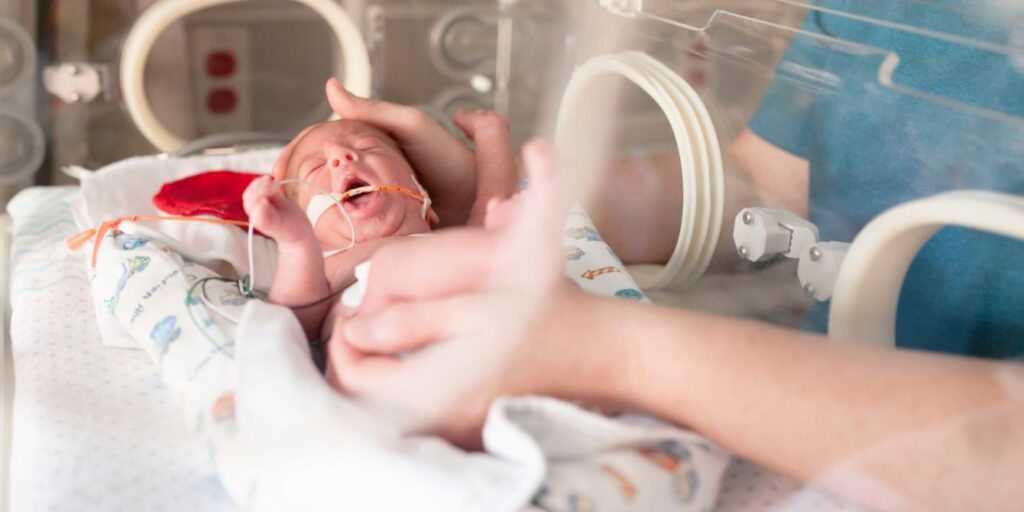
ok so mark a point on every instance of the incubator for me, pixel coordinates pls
(852, 168)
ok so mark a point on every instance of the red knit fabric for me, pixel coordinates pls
(217, 193)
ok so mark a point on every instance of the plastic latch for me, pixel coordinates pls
(819, 267)
(802, 232)
(762, 233)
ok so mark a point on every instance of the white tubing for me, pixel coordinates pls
(699, 155)
(868, 287)
(354, 58)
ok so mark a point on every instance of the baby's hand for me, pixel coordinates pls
(274, 214)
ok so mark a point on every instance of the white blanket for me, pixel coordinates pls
(126, 188)
(93, 428)
(282, 439)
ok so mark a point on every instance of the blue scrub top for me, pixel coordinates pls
(871, 148)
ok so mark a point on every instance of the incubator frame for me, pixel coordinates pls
(863, 307)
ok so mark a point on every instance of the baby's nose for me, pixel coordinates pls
(339, 156)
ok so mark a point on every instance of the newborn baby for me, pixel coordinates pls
(313, 236)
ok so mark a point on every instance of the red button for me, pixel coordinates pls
(220, 64)
(221, 101)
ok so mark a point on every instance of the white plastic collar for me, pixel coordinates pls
(867, 290)
(699, 154)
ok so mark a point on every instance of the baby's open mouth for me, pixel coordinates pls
(354, 195)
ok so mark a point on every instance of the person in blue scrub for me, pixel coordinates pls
(868, 148)
(939, 427)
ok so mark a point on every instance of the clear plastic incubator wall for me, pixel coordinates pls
(848, 169)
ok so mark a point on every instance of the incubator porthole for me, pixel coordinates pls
(16, 55)
(351, 62)
(463, 43)
(8, 60)
(581, 130)
(454, 98)
(21, 148)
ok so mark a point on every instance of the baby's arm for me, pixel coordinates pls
(495, 167)
(300, 278)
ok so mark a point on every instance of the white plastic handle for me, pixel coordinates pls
(354, 58)
(868, 287)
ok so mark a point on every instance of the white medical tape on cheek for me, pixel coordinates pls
(426, 197)
(319, 205)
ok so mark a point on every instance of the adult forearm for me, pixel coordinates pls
(452, 199)
(893, 429)
(446, 169)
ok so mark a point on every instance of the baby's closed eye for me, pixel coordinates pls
(311, 168)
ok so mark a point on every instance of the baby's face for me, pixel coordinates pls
(343, 155)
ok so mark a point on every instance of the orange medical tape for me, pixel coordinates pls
(381, 188)
(76, 241)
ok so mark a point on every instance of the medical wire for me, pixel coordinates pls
(209, 303)
(188, 307)
(246, 284)
(206, 301)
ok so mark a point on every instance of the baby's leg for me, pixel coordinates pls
(300, 278)
(495, 166)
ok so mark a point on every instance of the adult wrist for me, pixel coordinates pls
(594, 351)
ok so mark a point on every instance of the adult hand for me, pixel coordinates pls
(451, 321)
(442, 161)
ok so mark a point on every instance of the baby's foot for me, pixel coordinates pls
(495, 168)
(500, 212)
(274, 214)
(481, 123)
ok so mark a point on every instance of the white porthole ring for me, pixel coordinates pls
(355, 60)
(699, 154)
(867, 289)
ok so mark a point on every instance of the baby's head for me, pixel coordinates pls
(344, 155)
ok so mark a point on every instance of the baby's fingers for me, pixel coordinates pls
(262, 213)
(260, 188)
